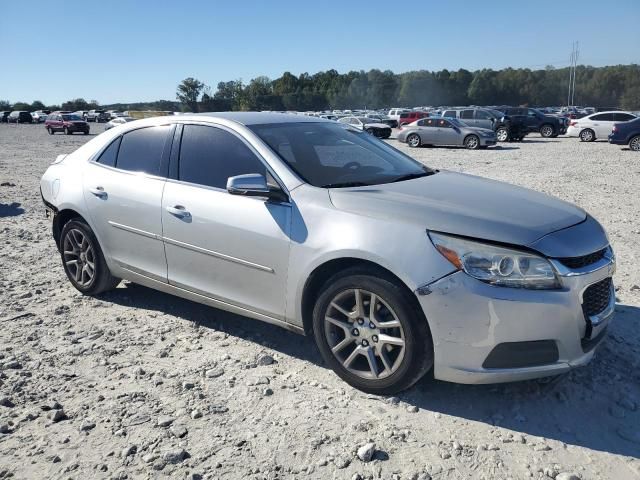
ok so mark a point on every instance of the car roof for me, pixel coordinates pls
(257, 118)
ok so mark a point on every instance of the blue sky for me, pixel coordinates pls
(127, 51)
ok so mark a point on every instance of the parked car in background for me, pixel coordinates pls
(4, 116)
(68, 123)
(114, 114)
(410, 117)
(20, 116)
(39, 116)
(597, 125)
(626, 133)
(117, 121)
(381, 118)
(380, 130)
(482, 118)
(548, 126)
(435, 131)
(97, 116)
(395, 113)
(394, 268)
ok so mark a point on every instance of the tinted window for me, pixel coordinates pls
(449, 113)
(603, 117)
(429, 122)
(443, 123)
(108, 157)
(466, 114)
(404, 115)
(141, 150)
(209, 156)
(623, 117)
(482, 115)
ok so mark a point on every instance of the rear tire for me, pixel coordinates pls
(67, 131)
(634, 143)
(413, 140)
(397, 365)
(50, 130)
(587, 135)
(472, 142)
(82, 259)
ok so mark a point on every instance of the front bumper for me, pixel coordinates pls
(469, 319)
(617, 141)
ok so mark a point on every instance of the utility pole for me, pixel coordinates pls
(573, 63)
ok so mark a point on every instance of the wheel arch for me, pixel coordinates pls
(60, 219)
(319, 276)
(471, 134)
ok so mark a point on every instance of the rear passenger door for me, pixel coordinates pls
(467, 117)
(123, 192)
(483, 119)
(602, 124)
(232, 248)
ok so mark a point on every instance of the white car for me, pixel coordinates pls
(597, 125)
(395, 113)
(117, 121)
(39, 116)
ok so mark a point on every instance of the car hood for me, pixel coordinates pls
(465, 205)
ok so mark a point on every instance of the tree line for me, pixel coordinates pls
(610, 86)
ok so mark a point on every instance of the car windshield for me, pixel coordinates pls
(71, 117)
(330, 155)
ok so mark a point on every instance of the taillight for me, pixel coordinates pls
(614, 129)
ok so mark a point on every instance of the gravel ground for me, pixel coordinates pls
(138, 384)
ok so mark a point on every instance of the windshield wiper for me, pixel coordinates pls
(411, 176)
(345, 184)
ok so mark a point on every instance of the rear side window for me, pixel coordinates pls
(108, 157)
(603, 117)
(466, 114)
(623, 117)
(449, 113)
(209, 156)
(141, 150)
(404, 115)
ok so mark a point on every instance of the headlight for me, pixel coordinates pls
(496, 265)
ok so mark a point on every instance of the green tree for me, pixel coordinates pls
(189, 92)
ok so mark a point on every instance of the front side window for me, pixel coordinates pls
(603, 117)
(623, 117)
(108, 157)
(482, 115)
(442, 123)
(210, 155)
(466, 114)
(141, 150)
(330, 155)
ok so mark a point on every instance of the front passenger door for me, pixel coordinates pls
(232, 248)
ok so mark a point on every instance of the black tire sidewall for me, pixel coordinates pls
(418, 344)
(102, 276)
(413, 135)
(631, 141)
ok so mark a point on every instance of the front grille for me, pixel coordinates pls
(579, 262)
(596, 297)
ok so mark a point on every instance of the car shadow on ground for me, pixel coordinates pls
(578, 408)
(10, 209)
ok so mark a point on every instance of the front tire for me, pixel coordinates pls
(634, 143)
(502, 134)
(67, 131)
(587, 135)
(472, 142)
(413, 140)
(50, 130)
(546, 131)
(369, 332)
(83, 261)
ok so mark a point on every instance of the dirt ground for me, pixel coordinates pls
(138, 384)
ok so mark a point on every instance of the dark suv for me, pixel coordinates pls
(20, 116)
(626, 133)
(4, 116)
(536, 121)
(65, 122)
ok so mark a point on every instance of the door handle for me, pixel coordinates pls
(98, 192)
(178, 211)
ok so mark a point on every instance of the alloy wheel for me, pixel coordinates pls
(634, 144)
(546, 131)
(364, 334)
(472, 142)
(586, 135)
(413, 140)
(502, 134)
(78, 256)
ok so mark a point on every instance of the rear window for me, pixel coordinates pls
(141, 150)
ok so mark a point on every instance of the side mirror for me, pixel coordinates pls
(254, 185)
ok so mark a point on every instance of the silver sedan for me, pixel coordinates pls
(394, 268)
(446, 131)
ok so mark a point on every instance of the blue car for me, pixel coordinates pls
(626, 133)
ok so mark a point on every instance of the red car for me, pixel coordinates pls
(66, 122)
(410, 117)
